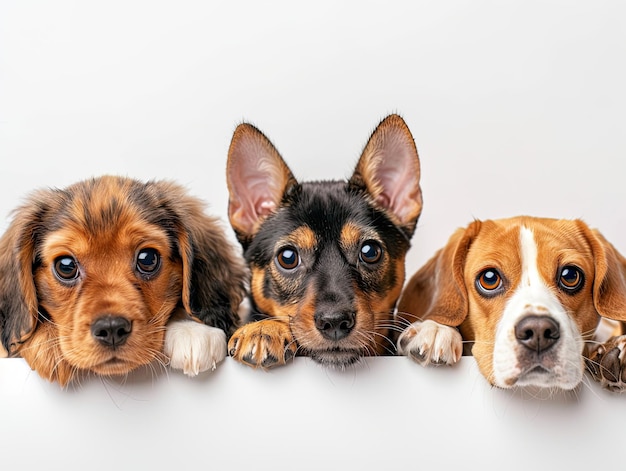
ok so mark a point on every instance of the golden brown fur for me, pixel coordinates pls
(446, 291)
(133, 253)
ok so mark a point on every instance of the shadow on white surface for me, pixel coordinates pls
(386, 413)
(516, 108)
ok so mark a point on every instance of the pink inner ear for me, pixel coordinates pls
(257, 177)
(397, 173)
(250, 202)
(265, 207)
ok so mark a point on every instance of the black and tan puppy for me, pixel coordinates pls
(326, 258)
(110, 274)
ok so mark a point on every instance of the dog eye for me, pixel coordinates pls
(148, 261)
(488, 281)
(288, 258)
(571, 278)
(371, 252)
(66, 268)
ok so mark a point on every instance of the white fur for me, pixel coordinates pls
(430, 342)
(194, 347)
(605, 330)
(533, 296)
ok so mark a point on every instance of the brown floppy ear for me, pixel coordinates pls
(389, 170)
(18, 295)
(437, 290)
(609, 285)
(257, 179)
(214, 277)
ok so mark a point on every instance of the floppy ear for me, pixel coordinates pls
(18, 296)
(437, 290)
(214, 277)
(609, 286)
(257, 179)
(389, 170)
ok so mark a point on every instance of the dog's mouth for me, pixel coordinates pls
(541, 377)
(336, 357)
(113, 366)
(536, 370)
(116, 364)
(535, 375)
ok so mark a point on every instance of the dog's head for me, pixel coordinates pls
(526, 292)
(327, 257)
(90, 274)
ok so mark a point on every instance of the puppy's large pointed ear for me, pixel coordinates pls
(609, 285)
(389, 170)
(18, 295)
(437, 290)
(214, 277)
(257, 179)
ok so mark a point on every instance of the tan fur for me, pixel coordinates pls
(443, 290)
(103, 224)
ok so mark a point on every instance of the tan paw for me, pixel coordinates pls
(606, 364)
(265, 343)
(429, 342)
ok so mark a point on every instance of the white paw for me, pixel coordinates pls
(194, 347)
(430, 342)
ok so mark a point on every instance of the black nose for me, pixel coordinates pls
(334, 325)
(537, 333)
(111, 331)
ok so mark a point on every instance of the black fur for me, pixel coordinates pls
(325, 207)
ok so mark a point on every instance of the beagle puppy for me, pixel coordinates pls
(110, 274)
(534, 300)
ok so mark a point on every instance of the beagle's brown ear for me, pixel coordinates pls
(437, 290)
(257, 178)
(18, 255)
(389, 170)
(609, 286)
(214, 277)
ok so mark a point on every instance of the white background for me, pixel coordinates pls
(516, 108)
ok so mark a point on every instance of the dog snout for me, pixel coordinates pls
(537, 333)
(111, 331)
(335, 325)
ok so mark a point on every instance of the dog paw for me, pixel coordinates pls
(264, 343)
(194, 347)
(429, 342)
(607, 364)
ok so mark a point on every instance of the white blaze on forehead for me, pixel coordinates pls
(530, 271)
(534, 296)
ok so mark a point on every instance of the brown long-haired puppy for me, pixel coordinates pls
(110, 274)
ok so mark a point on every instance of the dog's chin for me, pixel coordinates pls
(336, 357)
(538, 378)
(114, 367)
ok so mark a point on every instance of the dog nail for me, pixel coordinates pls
(288, 355)
(269, 360)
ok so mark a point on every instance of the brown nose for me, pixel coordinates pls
(537, 333)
